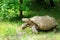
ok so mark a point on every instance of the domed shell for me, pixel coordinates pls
(44, 22)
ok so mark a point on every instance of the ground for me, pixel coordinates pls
(13, 31)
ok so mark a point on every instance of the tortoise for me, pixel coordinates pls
(37, 23)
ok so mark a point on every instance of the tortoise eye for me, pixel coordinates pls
(28, 25)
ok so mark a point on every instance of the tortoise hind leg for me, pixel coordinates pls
(55, 28)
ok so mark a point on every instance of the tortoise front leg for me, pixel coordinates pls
(23, 26)
(34, 30)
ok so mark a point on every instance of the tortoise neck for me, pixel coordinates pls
(31, 22)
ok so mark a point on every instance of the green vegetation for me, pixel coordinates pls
(10, 19)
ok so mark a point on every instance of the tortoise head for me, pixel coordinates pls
(25, 20)
(28, 22)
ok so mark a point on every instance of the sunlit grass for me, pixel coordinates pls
(12, 31)
(7, 28)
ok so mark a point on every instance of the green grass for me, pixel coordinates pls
(6, 28)
(12, 31)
